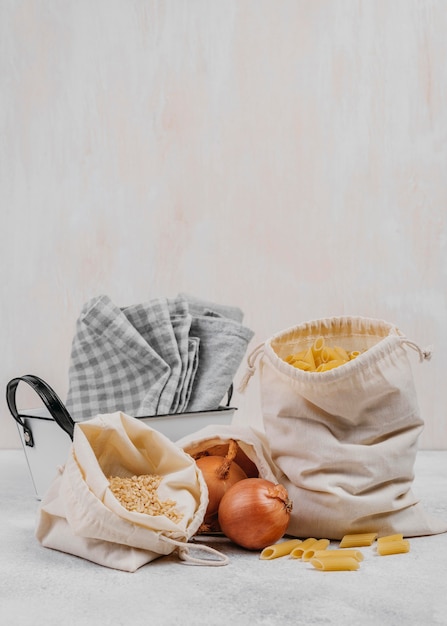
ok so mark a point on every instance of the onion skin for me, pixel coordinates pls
(210, 525)
(241, 459)
(254, 513)
(220, 475)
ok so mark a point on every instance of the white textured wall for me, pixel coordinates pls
(287, 156)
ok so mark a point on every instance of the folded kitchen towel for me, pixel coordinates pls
(152, 320)
(112, 365)
(223, 343)
(163, 356)
(181, 324)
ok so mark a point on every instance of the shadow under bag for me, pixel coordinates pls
(344, 441)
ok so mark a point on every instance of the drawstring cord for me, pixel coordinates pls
(424, 355)
(183, 550)
(251, 367)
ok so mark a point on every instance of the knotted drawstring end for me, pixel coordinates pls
(246, 379)
(427, 353)
(424, 355)
(251, 367)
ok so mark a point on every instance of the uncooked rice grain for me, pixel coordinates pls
(139, 494)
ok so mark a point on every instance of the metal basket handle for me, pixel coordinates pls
(50, 399)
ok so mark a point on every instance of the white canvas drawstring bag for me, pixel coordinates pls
(344, 441)
(80, 515)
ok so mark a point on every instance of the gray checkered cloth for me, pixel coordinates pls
(112, 366)
(153, 322)
(193, 364)
(164, 356)
(188, 350)
(223, 343)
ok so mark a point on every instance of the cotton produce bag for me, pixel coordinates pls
(80, 515)
(344, 441)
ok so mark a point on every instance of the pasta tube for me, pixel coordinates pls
(354, 354)
(309, 359)
(317, 346)
(289, 358)
(324, 367)
(394, 546)
(303, 365)
(357, 540)
(279, 549)
(309, 553)
(297, 553)
(320, 357)
(341, 352)
(355, 554)
(334, 564)
(297, 356)
(330, 354)
(397, 537)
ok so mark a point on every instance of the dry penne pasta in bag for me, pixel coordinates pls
(344, 440)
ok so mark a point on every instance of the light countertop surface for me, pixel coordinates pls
(44, 587)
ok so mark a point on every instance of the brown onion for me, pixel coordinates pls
(255, 513)
(241, 458)
(220, 473)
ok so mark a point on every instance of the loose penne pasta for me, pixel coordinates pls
(321, 544)
(279, 549)
(394, 546)
(336, 564)
(309, 358)
(290, 358)
(297, 553)
(341, 352)
(396, 537)
(302, 365)
(355, 554)
(357, 540)
(298, 356)
(354, 354)
(329, 354)
(317, 346)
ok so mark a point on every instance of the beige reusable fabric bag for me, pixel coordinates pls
(344, 441)
(80, 515)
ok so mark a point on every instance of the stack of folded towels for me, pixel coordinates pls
(164, 356)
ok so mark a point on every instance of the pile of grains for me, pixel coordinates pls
(139, 494)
